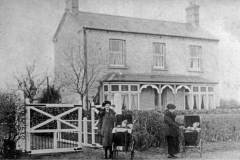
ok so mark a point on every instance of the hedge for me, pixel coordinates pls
(195, 111)
(149, 126)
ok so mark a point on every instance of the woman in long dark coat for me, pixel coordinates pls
(106, 130)
(172, 131)
(100, 115)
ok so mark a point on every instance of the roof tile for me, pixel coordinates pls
(138, 25)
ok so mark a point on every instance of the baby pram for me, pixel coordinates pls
(122, 136)
(191, 136)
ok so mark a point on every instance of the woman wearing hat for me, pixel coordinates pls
(172, 131)
(100, 115)
(106, 129)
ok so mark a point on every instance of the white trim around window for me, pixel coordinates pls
(117, 52)
(159, 55)
(195, 57)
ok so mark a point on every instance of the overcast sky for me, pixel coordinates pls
(27, 28)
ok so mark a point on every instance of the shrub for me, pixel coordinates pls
(12, 119)
(50, 95)
(229, 104)
(149, 129)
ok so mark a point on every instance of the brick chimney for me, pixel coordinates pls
(192, 14)
(72, 6)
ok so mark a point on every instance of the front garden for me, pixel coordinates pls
(219, 126)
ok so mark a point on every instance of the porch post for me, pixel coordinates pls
(138, 97)
(191, 97)
(160, 97)
(174, 95)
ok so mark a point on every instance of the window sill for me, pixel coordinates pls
(195, 70)
(159, 69)
(117, 67)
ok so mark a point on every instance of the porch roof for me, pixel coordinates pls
(156, 78)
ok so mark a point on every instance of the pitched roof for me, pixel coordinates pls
(116, 77)
(138, 25)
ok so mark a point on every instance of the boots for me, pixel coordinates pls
(105, 153)
(111, 152)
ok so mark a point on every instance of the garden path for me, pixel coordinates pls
(212, 151)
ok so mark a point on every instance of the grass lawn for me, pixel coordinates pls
(209, 149)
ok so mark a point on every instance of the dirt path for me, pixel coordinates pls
(89, 153)
(216, 150)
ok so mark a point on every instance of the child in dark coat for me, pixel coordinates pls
(172, 131)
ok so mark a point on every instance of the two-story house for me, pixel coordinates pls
(150, 63)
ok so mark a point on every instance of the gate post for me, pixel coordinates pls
(92, 123)
(85, 134)
(80, 127)
(27, 136)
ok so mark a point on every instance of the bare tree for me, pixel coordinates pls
(78, 73)
(30, 82)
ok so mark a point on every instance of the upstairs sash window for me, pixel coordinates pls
(196, 57)
(159, 51)
(117, 52)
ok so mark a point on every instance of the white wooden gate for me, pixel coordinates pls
(53, 128)
(90, 129)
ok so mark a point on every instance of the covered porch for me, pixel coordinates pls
(144, 92)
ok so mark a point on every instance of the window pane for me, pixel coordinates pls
(158, 54)
(134, 102)
(158, 60)
(210, 89)
(210, 102)
(124, 87)
(195, 63)
(187, 102)
(156, 97)
(203, 89)
(112, 98)
(115, 88)
(117, 52)
(134, 88)
(195, 53)
(159, 48)
(203, 102)
(125, 102)
(105, 88)
(195, 89)
(195, 102)
(116, 45)
(105, 97)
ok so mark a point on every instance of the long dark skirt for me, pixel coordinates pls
(173, 145)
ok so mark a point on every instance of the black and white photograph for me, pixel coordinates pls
(120, 79)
